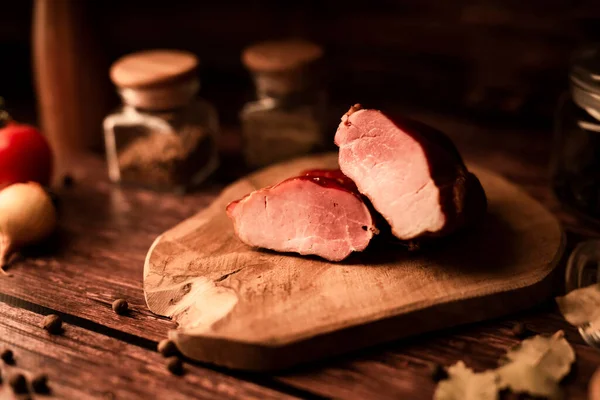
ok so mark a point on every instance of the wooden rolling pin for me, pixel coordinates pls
(71, 80)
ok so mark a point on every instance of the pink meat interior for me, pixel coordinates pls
(391, 168)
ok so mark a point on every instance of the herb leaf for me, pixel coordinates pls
(523, 378)
(551, 355)
(581, 306)
(464, 384)
(536, 365)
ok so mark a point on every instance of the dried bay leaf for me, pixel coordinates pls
(464, 384)
(534, 366)
(551, 355)
(523, 378)
(581, 306)
(537, 365)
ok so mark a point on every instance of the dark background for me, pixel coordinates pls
(498, 60)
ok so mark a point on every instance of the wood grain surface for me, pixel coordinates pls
(82, 365)
(106, 231)
(260, 310)
(402, 370)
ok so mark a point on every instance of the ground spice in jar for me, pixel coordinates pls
(163, 137)
(286, 119)
(275, 135)
(165, 159)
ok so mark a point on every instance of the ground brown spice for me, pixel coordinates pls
(165, 159)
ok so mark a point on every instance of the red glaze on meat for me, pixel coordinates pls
(317, 213)
(333, 178)
(412, 173)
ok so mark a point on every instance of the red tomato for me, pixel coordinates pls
(24, 155)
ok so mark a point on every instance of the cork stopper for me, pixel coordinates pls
(282, 67)
(156, 79)
(153, 68)
(280, 55)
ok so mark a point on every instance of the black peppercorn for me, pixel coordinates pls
(520, 331)
(18, 382)
(68, 181)
(120, 306)
(437, 372)
(175, 365)
(7, 356)
(40, 384)
(53, 324)
(167, 348)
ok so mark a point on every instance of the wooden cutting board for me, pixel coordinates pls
(259, 310)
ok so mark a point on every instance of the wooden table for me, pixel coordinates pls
(98, 256)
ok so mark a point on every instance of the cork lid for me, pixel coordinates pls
(280, 55)
(152, 68)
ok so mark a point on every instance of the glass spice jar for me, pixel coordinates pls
(163, 136)
(286, 119)
(576, 153)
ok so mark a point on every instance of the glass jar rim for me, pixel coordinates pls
(585, 69)
(584, 77)
(161, 97)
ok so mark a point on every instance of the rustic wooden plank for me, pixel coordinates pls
(400, 370)
(99, 253)
(85, 365)
(107, 231)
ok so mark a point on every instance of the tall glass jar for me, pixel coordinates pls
(286, 119)
(163, 136)
(576, 154)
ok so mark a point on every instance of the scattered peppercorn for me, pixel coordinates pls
(18, 383)
(68, 181)
(520, 330)
(437, 372)
(8, 356)
(175, 365)
(53, 324)
(40, 384)
(120, 306)
(167, 348)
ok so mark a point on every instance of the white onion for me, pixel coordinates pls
(27, 215)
